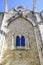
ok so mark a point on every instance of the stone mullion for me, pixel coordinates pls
(13, 42)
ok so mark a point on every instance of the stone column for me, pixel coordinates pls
(2, 40)
(13, 42)
(6, 5)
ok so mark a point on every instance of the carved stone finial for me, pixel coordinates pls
(6, 5)
(34, 5)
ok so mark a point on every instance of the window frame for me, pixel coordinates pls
(17, 41)
(27, 42)
(22, 41)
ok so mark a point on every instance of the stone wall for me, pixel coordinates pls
(27, 56)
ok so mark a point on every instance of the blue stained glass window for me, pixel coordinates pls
(22, 41)
(17, 41)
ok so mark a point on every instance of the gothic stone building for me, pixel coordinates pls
(20, 37)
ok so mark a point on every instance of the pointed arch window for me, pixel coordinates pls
(17, 41)
(22, 41)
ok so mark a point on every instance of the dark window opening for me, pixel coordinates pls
(17, 41)
(22, 41)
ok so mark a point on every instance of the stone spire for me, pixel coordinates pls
(34, 5)
(6, 5)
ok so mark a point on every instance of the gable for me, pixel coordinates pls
(20, 25)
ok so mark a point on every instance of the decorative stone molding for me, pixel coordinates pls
(2, 32)
(39, 43)
(20, 7)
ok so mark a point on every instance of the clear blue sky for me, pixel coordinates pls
(26, 3)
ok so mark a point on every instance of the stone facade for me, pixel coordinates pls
(21, 23)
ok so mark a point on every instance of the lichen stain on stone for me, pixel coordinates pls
(28, 56)
(31, 56)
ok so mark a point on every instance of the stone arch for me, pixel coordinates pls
(14, 18)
